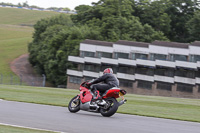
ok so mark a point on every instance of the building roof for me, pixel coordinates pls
(95, 42)
(171, 44)
(142, 44)
(196, 43)
(131, 43)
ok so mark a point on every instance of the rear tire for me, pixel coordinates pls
(111, 109)
(74, 105)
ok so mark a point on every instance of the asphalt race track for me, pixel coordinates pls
(61, 120)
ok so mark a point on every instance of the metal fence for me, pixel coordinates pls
(28, 80)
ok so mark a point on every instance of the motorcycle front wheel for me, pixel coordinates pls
(110, 108)
(74, 104)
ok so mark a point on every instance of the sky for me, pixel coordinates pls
(53, 3)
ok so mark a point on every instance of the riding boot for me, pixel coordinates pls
(95, 93)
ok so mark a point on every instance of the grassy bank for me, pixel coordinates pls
(14, 36)
(13, 16)
(10, 129)
(13, 43)
(153, 106)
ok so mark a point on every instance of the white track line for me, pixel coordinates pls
(30, 128)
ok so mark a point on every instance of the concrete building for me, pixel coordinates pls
(158, 68)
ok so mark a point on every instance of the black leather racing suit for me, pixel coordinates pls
(109, 80)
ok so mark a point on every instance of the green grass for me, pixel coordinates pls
(14, 37)
(163, 107)
(11, 129)
(40, 95)
(13, 43)
(152, 106)
(14, 16)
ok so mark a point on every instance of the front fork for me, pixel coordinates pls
(76, 99)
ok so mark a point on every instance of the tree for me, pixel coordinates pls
(66, 9)
(193, 26)
(180, 12)
(25, 4)
(153, 13)
(54, 40)
(83, 14)
(39, 43)
(168, 16)
(19, 4)
(114, 19)
(58, 37)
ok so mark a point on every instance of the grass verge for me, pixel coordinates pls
(12, 129)
(152, 106)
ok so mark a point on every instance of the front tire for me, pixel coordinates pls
(74, 104)
(110, 108)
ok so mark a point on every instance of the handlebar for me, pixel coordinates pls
(84, 84)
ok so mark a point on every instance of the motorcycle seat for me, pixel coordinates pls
(103, 94)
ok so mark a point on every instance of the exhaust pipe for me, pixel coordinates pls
(122, 102)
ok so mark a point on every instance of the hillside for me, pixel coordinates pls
(21, 16)
(14, 37)
(13, 43)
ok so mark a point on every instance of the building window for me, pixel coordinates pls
(87, 54)
(121, 55)
(88, 78)
(185, 73)
(126, 69)
(158, 57)
(164, 86)
(126, 83)
(104, 54)
(75, 80)
(76, 66)
(123, 70)
(185, 88)
(145, 71)
(144, 85)
(194, 58)
(197, 73)
(90, 67)
(139, 56)
(174, 57)
(164, 72)
(160, 71)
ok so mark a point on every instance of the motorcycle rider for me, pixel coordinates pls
(109, 80)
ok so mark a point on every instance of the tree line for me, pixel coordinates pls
(58, 37)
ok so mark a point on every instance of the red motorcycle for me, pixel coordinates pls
(107, 106)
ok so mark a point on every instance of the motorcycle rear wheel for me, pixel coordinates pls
(74, 105)
(111, 109)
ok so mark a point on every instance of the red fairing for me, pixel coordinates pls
(112, 93)
(85, 95)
